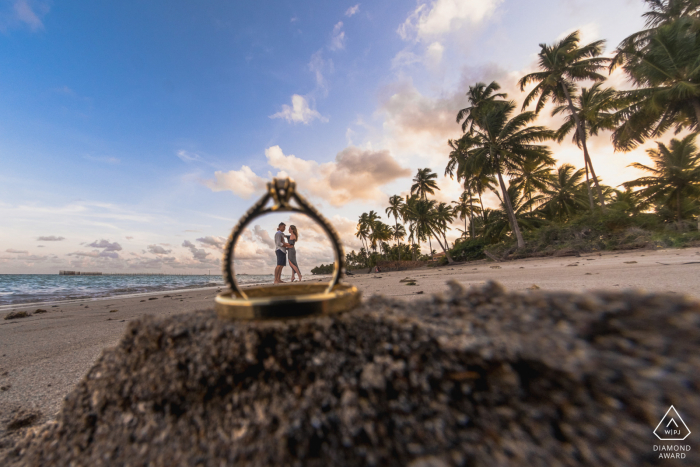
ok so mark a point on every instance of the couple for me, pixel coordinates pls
(281, 250)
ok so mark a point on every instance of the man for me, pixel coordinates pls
(281, 252)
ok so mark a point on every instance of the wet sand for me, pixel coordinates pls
(44, 355)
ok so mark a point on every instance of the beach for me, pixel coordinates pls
(44, 355)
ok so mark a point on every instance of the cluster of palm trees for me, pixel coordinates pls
(501, 150)
(427, 220)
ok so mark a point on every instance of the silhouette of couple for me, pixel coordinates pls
(284, 249)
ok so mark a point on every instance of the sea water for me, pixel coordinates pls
(29, 288)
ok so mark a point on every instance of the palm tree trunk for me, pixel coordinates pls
(471, 215)
(601, 199)
(582, 137)
(483, 213)
(511, 213)
(396, 231)
(447, 253)
(678, 206)
(588, 185)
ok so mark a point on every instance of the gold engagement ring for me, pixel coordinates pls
(287, 300)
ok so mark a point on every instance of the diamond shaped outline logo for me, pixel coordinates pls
(672, 419)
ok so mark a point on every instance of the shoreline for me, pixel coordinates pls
(19, 305)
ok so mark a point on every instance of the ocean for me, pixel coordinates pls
(30, 288)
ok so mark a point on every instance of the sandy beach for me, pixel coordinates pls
(44, 355)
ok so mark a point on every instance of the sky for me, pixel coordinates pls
(133, 135)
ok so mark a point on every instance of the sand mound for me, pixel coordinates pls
(477, 377)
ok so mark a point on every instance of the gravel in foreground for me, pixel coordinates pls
(473, 377)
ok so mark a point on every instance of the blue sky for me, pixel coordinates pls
(138, 132)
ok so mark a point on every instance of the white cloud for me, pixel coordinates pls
(588, 33)
(19, 252)
(299, 112)
(157, 250)
(319, 67)
(434, 53)
(25, 13)
(262, 235)
(199, 254)
(188, 156)
(106, 245)
(352, 10)
(405, 58)
(243, 182)
(216, 243)
(337, 37)
(355, 175)
(96, 254)
(50, 238)
(439, 17)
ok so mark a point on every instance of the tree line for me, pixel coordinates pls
(502, 151)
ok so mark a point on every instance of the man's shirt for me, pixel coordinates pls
(279, 241)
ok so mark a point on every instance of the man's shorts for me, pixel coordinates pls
(281, 258)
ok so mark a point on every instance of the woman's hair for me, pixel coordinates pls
(293, 229)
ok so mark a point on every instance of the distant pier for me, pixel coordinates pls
(78, 273)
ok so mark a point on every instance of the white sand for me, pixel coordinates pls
(43, 356)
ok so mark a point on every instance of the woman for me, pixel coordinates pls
(292, 252)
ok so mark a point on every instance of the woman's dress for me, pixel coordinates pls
(292, 253)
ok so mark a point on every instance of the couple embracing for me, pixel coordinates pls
(286, 248)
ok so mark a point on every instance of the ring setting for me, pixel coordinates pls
(287, 300)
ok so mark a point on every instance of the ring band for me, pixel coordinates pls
(287, 300)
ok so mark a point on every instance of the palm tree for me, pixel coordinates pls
(563, 197)
(595, 108)
(363, 229)
(424, 183)
(497, 225)
(372, 218)
(501, 144)
(380, 233)
(395, 206)
(444, 216)
(398, 232)
(664, 68)
(480, 96)
(676, 175)
(626, 201)
(406, 215)
(475, 178)
(427, 222)
(464, 208)
(562, 65)
(661, 12)
(480, 184)
(531, 176)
